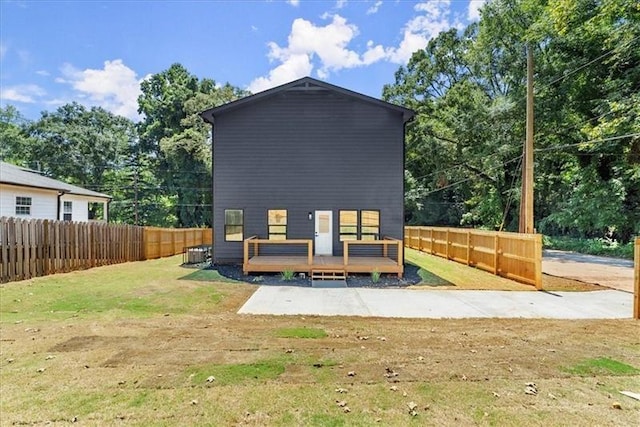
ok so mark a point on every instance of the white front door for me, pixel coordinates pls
(324, 233)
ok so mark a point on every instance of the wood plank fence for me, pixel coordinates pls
(163, 242)
(33, 248)
(512, 255)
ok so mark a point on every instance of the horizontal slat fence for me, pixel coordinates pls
(163, 242)
(512, 255)
(33, 248)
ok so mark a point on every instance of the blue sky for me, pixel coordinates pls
(98, 52)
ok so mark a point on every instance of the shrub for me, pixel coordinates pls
(287, 275)
(375, 276)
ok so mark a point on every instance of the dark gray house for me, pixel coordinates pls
(306, 162)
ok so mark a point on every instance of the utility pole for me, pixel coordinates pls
(526, 198)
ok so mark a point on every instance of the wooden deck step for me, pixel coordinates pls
(325, 274)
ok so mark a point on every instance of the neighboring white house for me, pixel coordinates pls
(27, 194)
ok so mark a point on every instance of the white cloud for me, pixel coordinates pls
(374, 9)
(305, 42)
(56, 102)
(473, 12)
(294, 3)
(295, 67)
(22, 93)
(43, 73)
(373, 54)
(433, 18)
(340, 4)
(115, 88)
(326, 48)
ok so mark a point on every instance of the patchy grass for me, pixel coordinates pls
(135, 344)
(601, 366)
(124, 290)
(303, 332)
(430, 279)
(441, 273)
(460, 276)
(236, 373)
(207, 275)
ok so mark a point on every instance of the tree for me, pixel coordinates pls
(15, 140)
(468, 88)
(177, 140)
(85, 147)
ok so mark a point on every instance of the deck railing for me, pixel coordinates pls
(512, 255)
(389, 248)
(252, 248)
(385, 243)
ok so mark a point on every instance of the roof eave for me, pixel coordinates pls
(209, 115)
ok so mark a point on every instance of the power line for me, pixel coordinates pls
(613, 138)
(575, 70)
(598, 117)
(471, 177)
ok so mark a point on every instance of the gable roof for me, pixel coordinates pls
(15, 175)
(303, 84)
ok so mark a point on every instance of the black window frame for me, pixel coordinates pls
(227, 226)
(270, 225)
(340, 225)
(376, 235)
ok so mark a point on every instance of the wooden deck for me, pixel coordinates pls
(308, 263)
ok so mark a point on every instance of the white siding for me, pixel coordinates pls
(79, 206)
(43, 202)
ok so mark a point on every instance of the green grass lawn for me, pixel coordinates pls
(124, 290)
(439, 272)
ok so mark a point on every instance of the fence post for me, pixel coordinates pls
(495, 253)
(636, 290)
(468, 247)
(538, 261)
(400, 257)
(345, 253)
(431, 241)
(447, 244)
(143, 251)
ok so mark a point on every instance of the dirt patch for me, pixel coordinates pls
(88, 343)
(554, 283)
(609, 272)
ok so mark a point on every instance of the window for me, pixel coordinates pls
(66, 211)
(277, 220)
(233, 225)
(370, 225)
(23, 205)
(348, 225)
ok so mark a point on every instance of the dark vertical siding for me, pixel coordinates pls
(305, 151)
